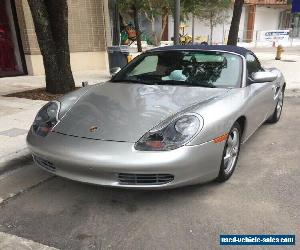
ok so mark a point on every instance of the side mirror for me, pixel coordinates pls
(114, 71)
(264, 76)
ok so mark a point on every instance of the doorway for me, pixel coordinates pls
(11, 63)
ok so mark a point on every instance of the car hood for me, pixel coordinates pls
(126, 111)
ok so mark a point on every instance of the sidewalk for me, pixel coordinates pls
(20, 83)
(8, 242)
(17, 114)
(16, 117)
(289, 65)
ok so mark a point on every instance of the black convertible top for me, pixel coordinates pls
(228, 48)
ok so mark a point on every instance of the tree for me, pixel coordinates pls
(214, 11)
(157, 8)
(133, 8)
(235, 22)
(50, 18)
(152, 10)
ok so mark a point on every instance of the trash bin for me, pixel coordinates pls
(117, 56)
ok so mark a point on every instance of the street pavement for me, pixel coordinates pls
(289, 65)
(262, 197)
(39, 208)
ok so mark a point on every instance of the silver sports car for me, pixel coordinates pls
(174, 116)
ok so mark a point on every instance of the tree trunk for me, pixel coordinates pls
(50, 19)
(153, 31)
(137, 28)
(211, 28)
(164, 25)
(116, 24)
(154, 34)
(235, 22)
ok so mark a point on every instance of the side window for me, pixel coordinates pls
(253, 64)
(148, 65)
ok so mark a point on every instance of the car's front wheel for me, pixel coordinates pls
(278, 109)
(230, 153)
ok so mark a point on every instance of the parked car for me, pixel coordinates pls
(174, 116)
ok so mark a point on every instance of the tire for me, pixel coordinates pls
(275, 117)
(230, 153)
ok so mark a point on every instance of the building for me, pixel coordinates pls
(89, 34)
(260, 15)
(257, 16)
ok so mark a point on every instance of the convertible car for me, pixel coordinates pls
(174, 116)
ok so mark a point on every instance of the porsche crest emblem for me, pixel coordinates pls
(93, 129)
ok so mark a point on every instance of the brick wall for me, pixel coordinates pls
(28, 37)
(87, 26)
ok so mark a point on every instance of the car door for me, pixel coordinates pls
(261, 95)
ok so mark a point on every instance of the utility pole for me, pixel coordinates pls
(193, 28)
(116, 23)
(176, 22)
(193, 23)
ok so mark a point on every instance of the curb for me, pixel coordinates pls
(15, 160)
(9, 241)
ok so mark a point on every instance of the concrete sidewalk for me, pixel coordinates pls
(17, 114)
(9, 242)
(289, 65)
(20, 83)
(16, 117)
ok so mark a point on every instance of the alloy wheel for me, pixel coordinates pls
(232, 150)
(279, 105)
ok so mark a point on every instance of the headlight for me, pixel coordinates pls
(46, 118)
(172, 135)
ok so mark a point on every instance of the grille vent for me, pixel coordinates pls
(144, 179)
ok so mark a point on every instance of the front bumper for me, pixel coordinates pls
(102, 162)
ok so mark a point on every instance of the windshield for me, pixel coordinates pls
(189, 68)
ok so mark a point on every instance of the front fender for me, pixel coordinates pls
(220, 115)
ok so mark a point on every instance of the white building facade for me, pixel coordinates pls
(257, 17)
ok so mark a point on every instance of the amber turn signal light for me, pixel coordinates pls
(220, 138)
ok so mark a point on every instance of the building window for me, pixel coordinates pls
(10, 59)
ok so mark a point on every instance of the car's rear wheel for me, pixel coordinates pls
(278, 109)
(230, 153)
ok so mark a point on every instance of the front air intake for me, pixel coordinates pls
(144, 179)
(44, 163)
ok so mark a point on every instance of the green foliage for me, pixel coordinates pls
(151, 9)
(207, 10)
(213, 12)
(126, 5)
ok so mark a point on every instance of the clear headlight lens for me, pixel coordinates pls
(46, 118)
(172, 135)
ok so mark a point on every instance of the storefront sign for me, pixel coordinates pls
(274, 35)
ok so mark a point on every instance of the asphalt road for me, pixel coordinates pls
(262, 197)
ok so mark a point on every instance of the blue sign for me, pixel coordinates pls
(261, 239)
(295, 6)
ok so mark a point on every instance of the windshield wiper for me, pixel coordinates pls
(204, 85)
(130, 80)
(167, 82)
(184, 83)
